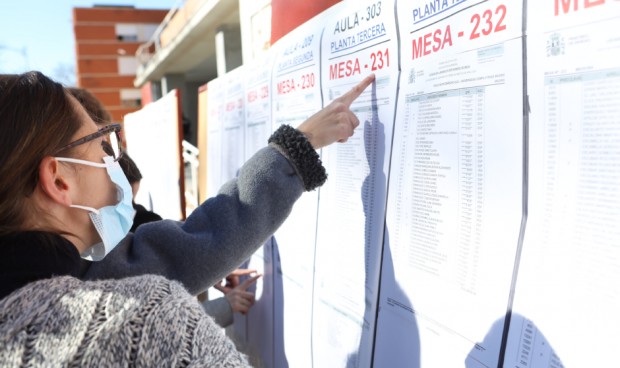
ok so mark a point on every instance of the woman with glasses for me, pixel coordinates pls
(63, 197)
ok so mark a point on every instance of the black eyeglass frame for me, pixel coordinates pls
(108, 129)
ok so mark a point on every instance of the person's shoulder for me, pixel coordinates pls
(143, 311)
(68, 288)
(143, 215)
(139, 208)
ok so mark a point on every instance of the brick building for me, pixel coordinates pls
(106, 39)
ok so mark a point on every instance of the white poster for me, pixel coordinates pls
(233, 124)
(232, 138)
(216, 107)
(215, 116)
(258, 126)
(260, 318)
(296, 96)
(359, 39)
(153, 142)
(568, 286)
(455, 197)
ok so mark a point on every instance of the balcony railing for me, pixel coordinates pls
(175, 21)
(190, 165)
(147, 50)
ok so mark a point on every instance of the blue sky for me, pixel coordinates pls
(38, 34)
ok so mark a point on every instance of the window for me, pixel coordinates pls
(131, 97)
(132, 32)
(127, 65)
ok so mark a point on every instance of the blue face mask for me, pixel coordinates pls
(112, 222)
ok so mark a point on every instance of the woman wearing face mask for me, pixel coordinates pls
(63, 195)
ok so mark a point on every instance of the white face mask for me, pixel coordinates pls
(112, 222)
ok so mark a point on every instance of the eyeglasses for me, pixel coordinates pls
(111, 144)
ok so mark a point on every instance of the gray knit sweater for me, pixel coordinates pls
(144, 321)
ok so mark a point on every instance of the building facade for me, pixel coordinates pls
(106, 40)
(203, 39)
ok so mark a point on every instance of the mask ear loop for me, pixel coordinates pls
(96, 211)
(84, 162)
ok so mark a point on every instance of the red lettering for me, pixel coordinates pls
(341, 69)
(252, 96)
(447, 38)
(344, 69)
(437, 40)
(565, 5)
(356, 68)
(590, 3)
(333, 71)
(352, 68)
(286, 86)
(427, 44)
(431, 42)
(417, 49)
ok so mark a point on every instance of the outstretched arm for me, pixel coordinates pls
(228, 228)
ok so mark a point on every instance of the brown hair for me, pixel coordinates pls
(93, 106)
(36, 119)
(130, 169)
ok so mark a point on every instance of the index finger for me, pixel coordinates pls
(242, 272)
(356, 91)
(247, 283)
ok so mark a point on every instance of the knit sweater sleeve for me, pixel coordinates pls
(144, 321)
(202, 342)
(226, 229)
(219, 309)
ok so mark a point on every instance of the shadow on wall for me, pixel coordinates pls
(532, 350)
(261, 317)
(279, 351)
(405, 346)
